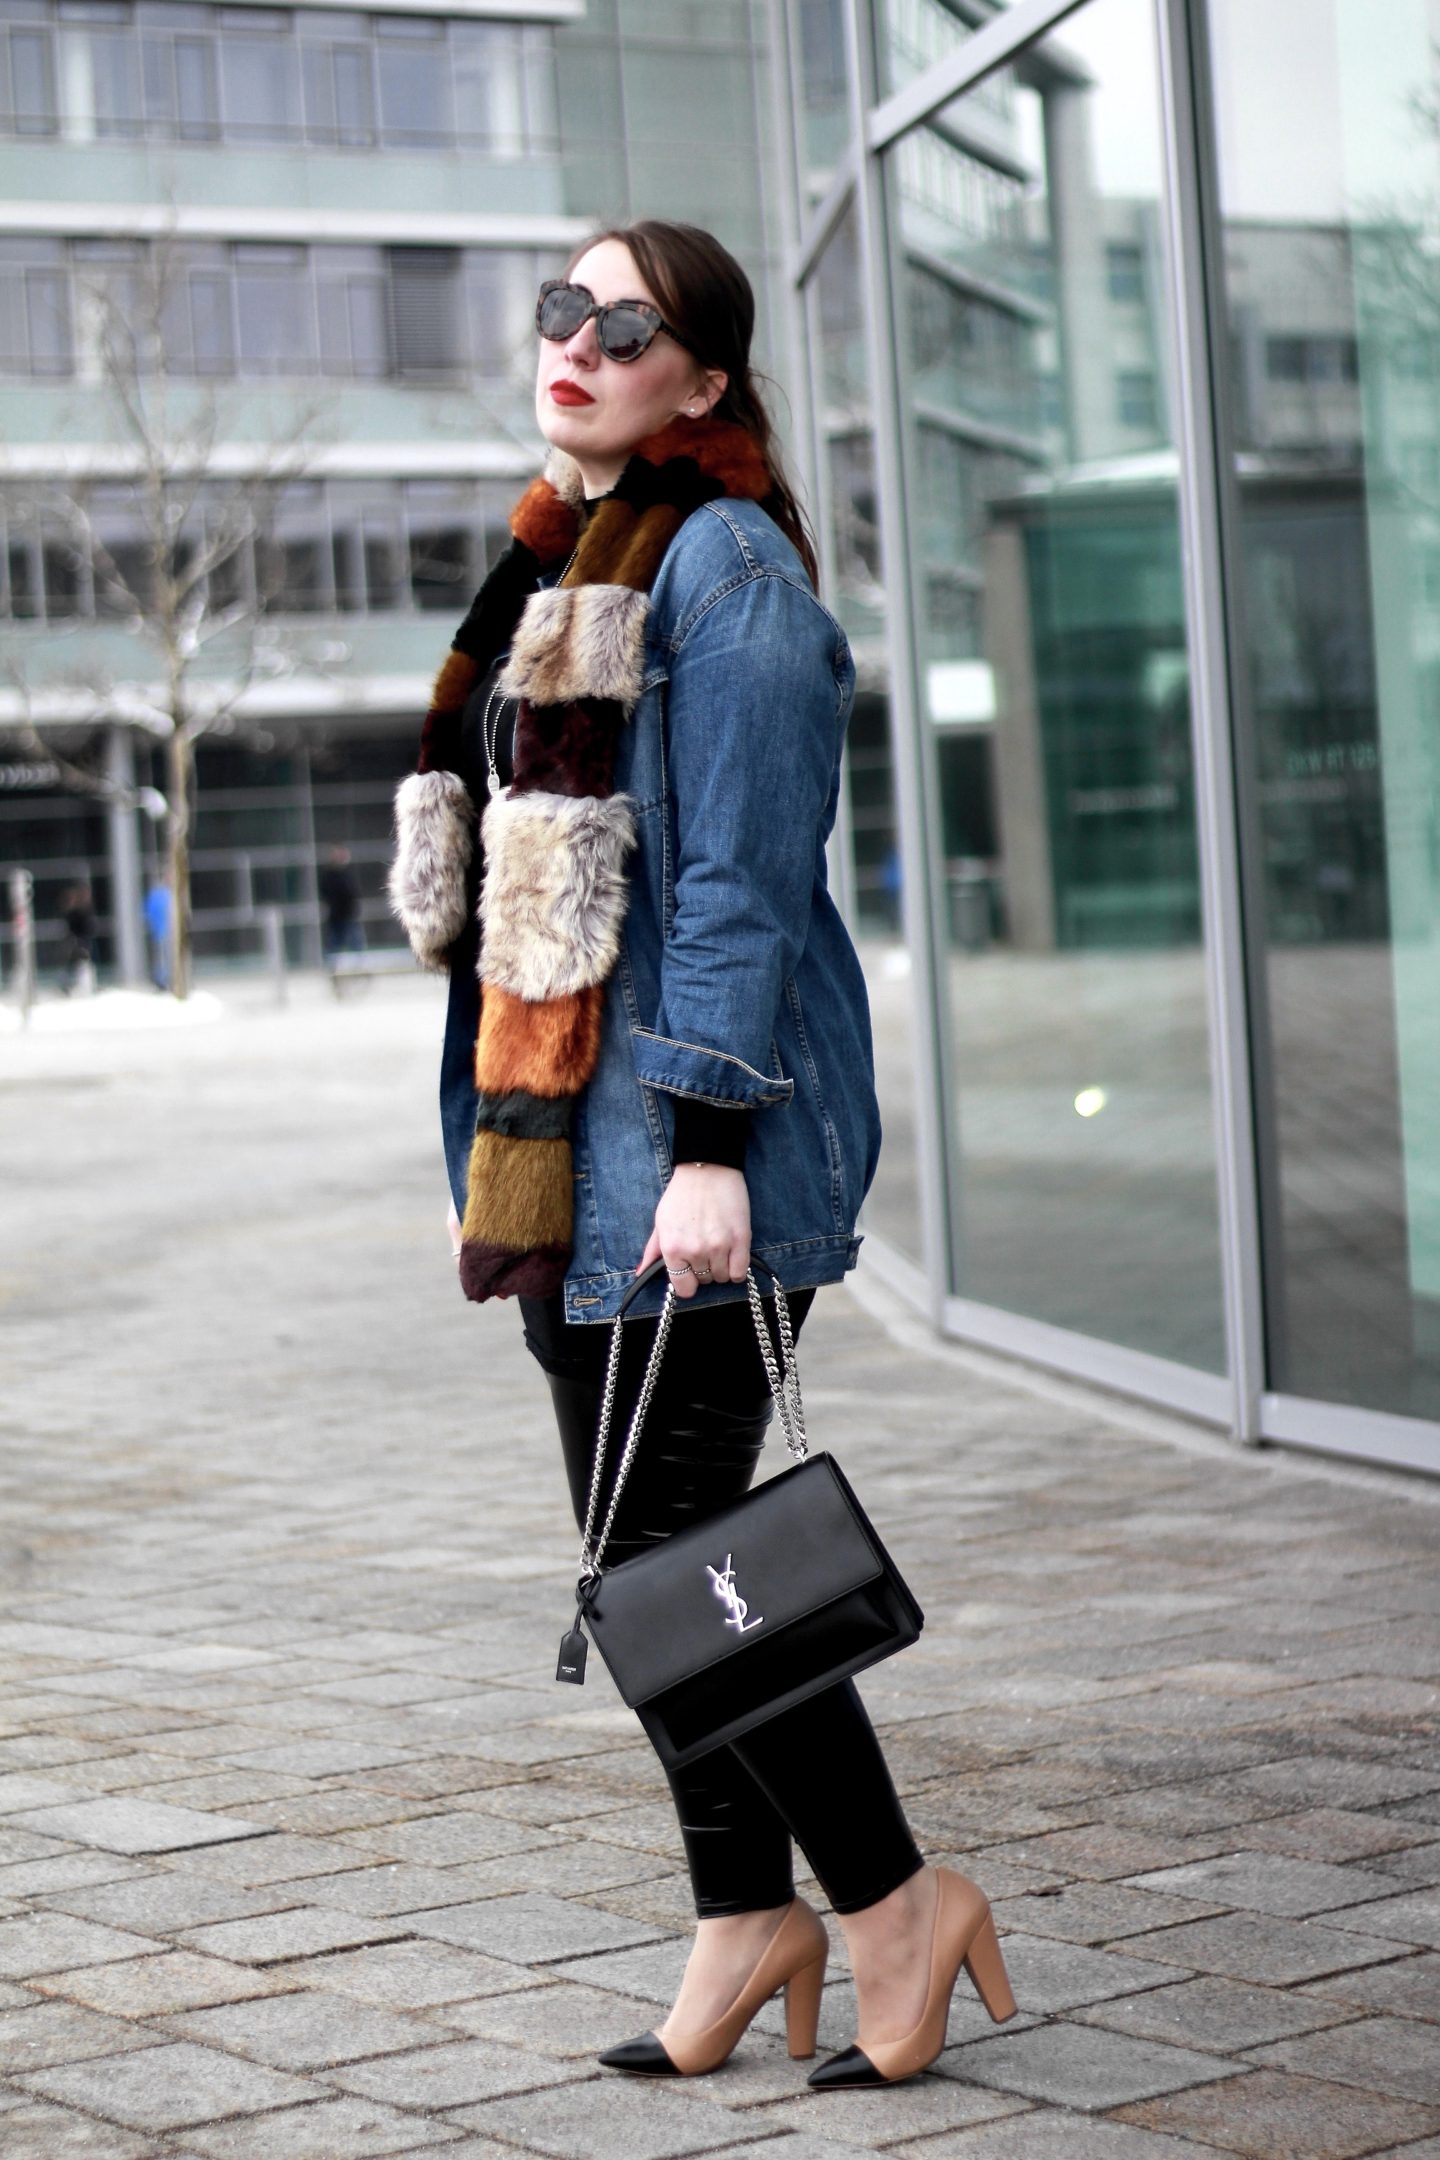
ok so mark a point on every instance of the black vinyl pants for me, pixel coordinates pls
(815, 1773)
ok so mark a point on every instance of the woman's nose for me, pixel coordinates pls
(584, 346)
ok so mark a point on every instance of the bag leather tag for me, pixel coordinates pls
(573, 1648)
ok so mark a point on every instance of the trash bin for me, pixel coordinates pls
(969, 910)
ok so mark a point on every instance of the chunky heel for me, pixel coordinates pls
(802, 2008)
(986, 1968)
(963, 1933)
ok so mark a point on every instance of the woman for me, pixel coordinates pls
(672, 1056)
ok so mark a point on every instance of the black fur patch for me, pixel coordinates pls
(519, 1115)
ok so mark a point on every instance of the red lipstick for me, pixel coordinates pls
(569, 393)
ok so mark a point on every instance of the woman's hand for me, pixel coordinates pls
(452, 1224)
(703, 1221)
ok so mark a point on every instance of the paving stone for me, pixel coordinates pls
(1333, 1834)
(168, 2087)
(529, 1928)
(1268, 2116)
(302, 1931)
(1051, 2135)
(276, 1858)
(446, 1840)
(392, 1886)
(136, 1826)
(34, 2130)
(1418, 1864)
(153, 1986)
(411, 1974)
(1335, 1781)
(451, 2075)
(1413, 1918)
(567, 2020)
(1105, 1852)
(1081, 2067)
(1270, 1883)
(1048, 1976)
(326, 2130)
(48, 1942)
(20, 1791)
(614, 2113)
(1226, 2015)
(581, 1867)
(1381, 2054)
(920, 2108)
(307, 2030)
(65, 1871)
(56, 2032)
(166, 1900)
(1410, 1987)
(320, 1758)
(1269, 1951)
(1100, 1912)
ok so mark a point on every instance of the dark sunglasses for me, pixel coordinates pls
(623, 330)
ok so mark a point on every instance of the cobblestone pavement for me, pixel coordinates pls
(302, 1853)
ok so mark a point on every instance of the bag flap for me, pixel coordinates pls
(795, 1542)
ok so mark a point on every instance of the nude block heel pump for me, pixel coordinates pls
(793, 1959)
(964, 1934)
(802, 2008)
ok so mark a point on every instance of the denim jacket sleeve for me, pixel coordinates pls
(760, 687)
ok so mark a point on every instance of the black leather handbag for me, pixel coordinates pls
(738, 1617)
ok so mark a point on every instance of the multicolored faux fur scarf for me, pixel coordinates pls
(554, 842)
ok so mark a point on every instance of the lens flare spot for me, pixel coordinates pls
(1090, 1102)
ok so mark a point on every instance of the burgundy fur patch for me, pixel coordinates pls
(567, 749)
(487, 1271)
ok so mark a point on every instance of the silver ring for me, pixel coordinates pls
(675, 1273)
(706, 1277)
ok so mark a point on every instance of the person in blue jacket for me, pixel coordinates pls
(658, 1044)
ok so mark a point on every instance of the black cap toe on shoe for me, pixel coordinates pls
(646, 2056)
(852, 2066)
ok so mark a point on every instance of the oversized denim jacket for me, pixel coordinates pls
(737, 981)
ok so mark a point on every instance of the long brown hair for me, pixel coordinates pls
(704, 292)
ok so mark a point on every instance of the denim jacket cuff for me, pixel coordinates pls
(690, 1069)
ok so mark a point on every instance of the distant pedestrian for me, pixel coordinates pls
(340, 891)
(160, 930)
(77, 912)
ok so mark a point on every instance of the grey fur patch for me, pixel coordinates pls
(554, 893)
(519, 1115)
(579, 641)
(434, 821)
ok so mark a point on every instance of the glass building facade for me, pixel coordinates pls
(1119, 324)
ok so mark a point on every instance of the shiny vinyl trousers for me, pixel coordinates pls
(815, 1773)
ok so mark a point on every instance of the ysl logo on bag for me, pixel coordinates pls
(723, 1580)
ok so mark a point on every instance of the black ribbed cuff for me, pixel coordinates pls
(704, 1133)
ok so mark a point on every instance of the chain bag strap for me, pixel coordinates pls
(784, 1386)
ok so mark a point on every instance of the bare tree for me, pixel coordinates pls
(188, 559)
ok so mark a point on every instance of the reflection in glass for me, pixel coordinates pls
(1053, 681)
(857, 597)
(1330, 200)
(819, 34)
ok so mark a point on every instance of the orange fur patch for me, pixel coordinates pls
(544, 521)
(722, 449)
(547, 1049)
(454, 682)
